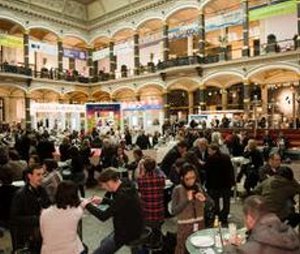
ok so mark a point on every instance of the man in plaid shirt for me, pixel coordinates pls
(151, 184)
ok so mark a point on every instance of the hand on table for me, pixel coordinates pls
(96, 200)
(85, 202)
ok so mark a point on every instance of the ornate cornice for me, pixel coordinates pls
(43, 13)
(126, 12)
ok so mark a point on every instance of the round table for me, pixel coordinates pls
(210, 232)
(205, 232)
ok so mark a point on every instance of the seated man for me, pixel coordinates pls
(279, 191)
(25, 211)
(124, 209)
(271, 167)
(267, 234)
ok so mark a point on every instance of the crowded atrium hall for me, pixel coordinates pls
(149, 126)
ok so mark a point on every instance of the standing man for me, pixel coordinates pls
(123, 207)
(219, 180)
(175, 153)
(26, 209)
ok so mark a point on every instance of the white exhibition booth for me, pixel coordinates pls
(57, 116)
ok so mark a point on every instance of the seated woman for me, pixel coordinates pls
(188, 205)
(59, 223)
(120, 160)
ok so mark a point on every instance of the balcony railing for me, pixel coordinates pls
(214, 55)
(5, 67)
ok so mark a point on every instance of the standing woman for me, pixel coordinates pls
(77, 169)
(188, 205)
(59, 223)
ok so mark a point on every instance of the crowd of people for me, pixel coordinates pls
(199, 167)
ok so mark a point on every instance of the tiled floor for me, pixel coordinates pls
(94, 230)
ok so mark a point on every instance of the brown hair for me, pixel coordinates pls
(109, 174)
(67, 195)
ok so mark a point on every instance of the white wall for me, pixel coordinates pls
(283, 27)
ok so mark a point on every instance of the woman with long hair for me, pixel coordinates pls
(59, 222)
(188, 205)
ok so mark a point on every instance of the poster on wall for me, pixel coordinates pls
(103, 116)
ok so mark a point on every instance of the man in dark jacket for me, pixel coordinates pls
(271, 167)
(267, 234)
(123, 207)
(143, 141)
(170, 158)
(25, 211)
(219, 180)
(45, 148)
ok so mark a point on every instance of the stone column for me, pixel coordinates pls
(201, 42)
(246, 96)
(90, 63)
(298, 26)
(166, 106)
(166, 41)
(202, 95)
(190, 45)
(245, 7)
(60, 57)
(294, 108)
(26, 48)
(224, 99)
(191, 102)
(112, 60)
(27, 111)
(136, 38)
(264, 99)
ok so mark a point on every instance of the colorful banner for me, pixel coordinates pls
(73, 53)
(103, 115)
(284, 8)
(11, 41)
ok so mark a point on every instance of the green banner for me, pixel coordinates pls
(11, 41)
(283, 8)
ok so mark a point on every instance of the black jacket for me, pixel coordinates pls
(143, 142)
(25, 212)
(255, 157)
(219, 172)
(125, 211)
(169, 160)
(45, 149)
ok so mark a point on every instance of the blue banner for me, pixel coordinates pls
(73, 53)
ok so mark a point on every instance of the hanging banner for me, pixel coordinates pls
(103, 115)
(11, 41)
(124, 48)
(284, 8)
(101, 54)
(73, 53)
(43, 47)
(150, 104)
(233, 18)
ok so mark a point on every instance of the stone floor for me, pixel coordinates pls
(94, 230)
